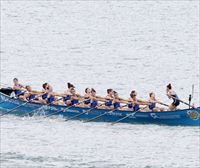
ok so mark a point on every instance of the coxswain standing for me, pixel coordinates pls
(172, 95)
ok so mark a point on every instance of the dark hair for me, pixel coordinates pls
(92, 90)
(109, 90)
(169, 86)
(44, 85)
(27, 86)
(69, 85)
(86, 89)
(114, 92)
(132, 94)
(15, 79)
(150, 94)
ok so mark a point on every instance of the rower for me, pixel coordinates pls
(109, 98)
(116, 103)
(74, 97)
(47, 96)
(87, 96)
(31, 95)
(94, 100)
(135, 103)
(153, 101)
(172, 95)
(51, 97)
(18, 88)
(68, 94)
(118, 100)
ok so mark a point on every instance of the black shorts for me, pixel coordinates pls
(175, 102)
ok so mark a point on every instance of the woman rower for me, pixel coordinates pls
(51, 97)
(109, 98)
(87, 97)
(135, 103)
(94, 99)
(48, 97)
(172, 94)
(18, 88)
(68, 94)
(32, 95)
(117, 101)
(153, 101)
(75, 97)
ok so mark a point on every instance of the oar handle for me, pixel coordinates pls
(181, 101)
(163, 104)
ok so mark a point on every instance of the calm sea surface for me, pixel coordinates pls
(124, 45)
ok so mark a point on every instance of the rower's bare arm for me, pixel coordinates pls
(22, 86)
(169, 94)
(99, 98)
(80, 96)
(143, 101)
(18, 88)
(57, 94)
(36, 92)
(122, 100)
(159, 102)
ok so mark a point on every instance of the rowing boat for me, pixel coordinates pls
(184, 117)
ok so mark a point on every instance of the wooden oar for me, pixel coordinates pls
(64, 109)
(163, 104)
(103, 114)
(84, 112)
(181, 101)
(19, 106)
(123, 118)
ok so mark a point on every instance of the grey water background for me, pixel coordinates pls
(124, 45)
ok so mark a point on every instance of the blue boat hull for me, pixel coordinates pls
(179, 117)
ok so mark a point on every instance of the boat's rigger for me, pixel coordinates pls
(179, 117)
